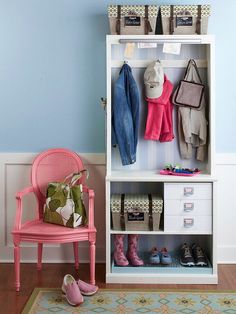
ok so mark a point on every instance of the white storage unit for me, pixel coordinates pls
(189, 202)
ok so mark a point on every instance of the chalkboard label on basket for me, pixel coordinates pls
(184, 21)
(136, 216)
(132, 21)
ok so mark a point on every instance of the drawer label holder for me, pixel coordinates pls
(188, 222)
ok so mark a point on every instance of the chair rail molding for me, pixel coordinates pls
(15, 175)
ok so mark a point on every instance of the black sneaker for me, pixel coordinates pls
(186, 258)
(199, 256)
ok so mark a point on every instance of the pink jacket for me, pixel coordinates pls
(159, 124)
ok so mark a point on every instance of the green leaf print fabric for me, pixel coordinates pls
(64, 204)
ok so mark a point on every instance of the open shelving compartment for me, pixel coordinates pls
(143, 176)
(173, 243)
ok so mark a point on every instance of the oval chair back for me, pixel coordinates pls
(53, 165)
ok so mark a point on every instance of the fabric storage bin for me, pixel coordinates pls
(185, 19)
(136, 212)
(132, 19)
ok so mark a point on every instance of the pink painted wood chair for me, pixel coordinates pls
(52, 166)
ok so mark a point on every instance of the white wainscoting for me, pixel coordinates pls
(15, 175)
(226, 207)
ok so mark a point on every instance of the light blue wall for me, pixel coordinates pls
(52, 73)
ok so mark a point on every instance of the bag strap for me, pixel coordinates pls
(118, 19)
(199, 16)
(147, 25)
(196, 69)
(187, 68)
(171, 25)
(150, 213)
(74, 177)
(192, 62)
(122, 212)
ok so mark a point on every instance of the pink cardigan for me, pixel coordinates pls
(159, 124)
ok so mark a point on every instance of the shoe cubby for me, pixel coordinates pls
(173, 245)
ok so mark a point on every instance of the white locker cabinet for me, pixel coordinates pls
(189, 212)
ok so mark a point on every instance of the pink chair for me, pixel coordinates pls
(52, 166)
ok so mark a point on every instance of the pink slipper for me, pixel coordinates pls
(72, 291)
(86, 288)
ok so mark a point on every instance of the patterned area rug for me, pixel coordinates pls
(109, 301)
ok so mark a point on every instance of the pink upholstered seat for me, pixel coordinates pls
(52, 166)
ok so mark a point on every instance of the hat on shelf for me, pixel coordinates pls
(154, 79)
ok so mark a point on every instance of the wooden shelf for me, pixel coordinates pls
(154, 176)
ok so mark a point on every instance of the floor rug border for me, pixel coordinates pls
(36, 290)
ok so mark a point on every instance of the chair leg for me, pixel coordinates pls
(92, 262)
(76, 254)
(40, 253)
(17, 266)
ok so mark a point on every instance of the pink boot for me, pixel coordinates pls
(119, 257)
(132, 251)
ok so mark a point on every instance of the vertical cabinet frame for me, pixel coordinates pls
(120, 175)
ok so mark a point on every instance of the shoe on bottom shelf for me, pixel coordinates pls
(86, 289)
(72, 291)
(165, 257)
(154, 256)
(186, 258)
(199, 256)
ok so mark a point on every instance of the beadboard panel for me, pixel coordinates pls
(15, 174)
(226, 209)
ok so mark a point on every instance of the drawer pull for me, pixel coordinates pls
(188, 207)
(188, 222)
(188, 191)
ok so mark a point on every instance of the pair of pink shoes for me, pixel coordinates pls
(74, 290)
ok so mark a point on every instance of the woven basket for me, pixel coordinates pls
(132, 19)
(185, 19)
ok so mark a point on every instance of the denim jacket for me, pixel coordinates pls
(125, 118)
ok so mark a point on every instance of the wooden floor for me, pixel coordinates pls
(51, 275)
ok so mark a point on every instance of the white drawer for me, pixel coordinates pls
(188, 207)
(188, 224)
(175, 191)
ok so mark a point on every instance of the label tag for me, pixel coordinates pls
(136, 216)
(129, 50)
(147, 45)
(184, 21)
(132, 21)
(172, 48)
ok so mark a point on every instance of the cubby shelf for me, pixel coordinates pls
(154, 176)
(174, 268)
(155, 232)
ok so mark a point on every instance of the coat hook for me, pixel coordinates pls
(103, 103)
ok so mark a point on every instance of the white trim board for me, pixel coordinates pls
(14, 175)
(27, 158)
(225, 159)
